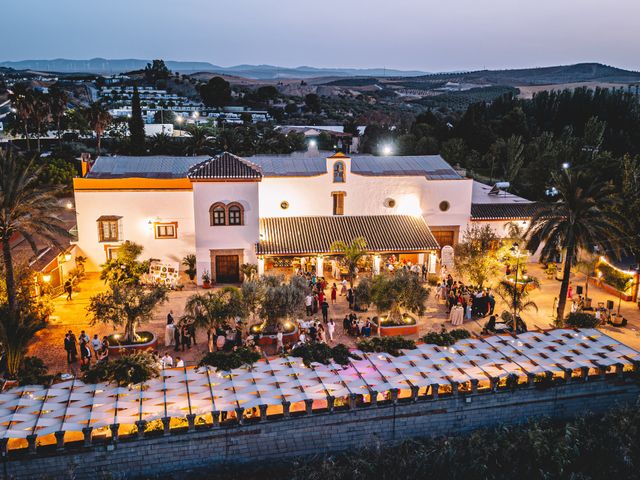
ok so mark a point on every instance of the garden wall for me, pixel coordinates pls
(321, 432)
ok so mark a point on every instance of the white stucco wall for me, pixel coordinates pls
(210, 237)
(366, 195)
(137, 209)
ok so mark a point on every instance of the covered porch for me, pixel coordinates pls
(291, 244)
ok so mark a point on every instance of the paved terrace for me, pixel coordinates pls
(278, 386)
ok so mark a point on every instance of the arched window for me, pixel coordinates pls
(236, 214)
(218, 214)
(338, 172)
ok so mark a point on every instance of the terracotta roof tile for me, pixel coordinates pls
(225, 166)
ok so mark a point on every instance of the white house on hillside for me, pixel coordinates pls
(281, 211)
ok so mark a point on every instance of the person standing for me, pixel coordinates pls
(96, 344)
(279, 340)
(169, 332)
(331, 328)
(343, 290)
(176, 338)
(350, 298)
(67, 347)
(83, 337)
(308, 303)
(334, 294)
(170, 317)
(325, 310)
(85, 353)
(68, 288)
(74, 346)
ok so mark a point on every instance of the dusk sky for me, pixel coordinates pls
(406, 34)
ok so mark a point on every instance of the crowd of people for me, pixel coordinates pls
(477, 302)
(89, 349)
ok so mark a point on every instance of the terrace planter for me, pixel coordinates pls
(612, 290)
(395, 330)
(149, 342)
(288, 338)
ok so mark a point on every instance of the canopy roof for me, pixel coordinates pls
(382, 233)
(72, 405)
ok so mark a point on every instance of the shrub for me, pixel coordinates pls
(323, 353)
(444, 338)
(390, 345)
(581, 320)
(618, 280)
(137, 367)
(33, 371)
(224, 361)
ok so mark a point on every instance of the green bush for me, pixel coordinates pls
(33, 371)
(614, 277)
(581, 320)
(444, 338)
(323, 353)
(390, 345)
(224, 361)
(137, 367)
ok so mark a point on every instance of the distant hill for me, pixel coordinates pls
(264, 72)
(581, 72)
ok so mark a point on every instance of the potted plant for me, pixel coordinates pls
(189, 261)
(206, 279)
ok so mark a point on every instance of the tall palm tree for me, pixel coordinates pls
(99, 119)
(58, 99)
(583, 217)
(22, 99)
(40, 113)
(26, 209)
(352, 254)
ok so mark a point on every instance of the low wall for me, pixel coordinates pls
(322, 432)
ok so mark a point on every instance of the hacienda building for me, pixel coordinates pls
(282, 211)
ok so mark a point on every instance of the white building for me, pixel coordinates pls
(279, 210)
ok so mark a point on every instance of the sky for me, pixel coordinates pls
(428, 35)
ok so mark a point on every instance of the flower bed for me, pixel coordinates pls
(117, 345)
(409, 326)
(611, 289)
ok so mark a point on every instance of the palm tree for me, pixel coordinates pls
(17, 330)
(352, 254)
(40, 113)
(583, 217)
(99, 119)
(213, 310)
(58, 99)
(199, 138)
(26, 209)
(517, 296)
(22, 99)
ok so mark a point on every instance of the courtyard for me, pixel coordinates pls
(72, 315)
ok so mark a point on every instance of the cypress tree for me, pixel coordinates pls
(136, 125)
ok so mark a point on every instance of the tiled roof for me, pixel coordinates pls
(382, 233)
(502, 211)
(434, 167)
(225, 166)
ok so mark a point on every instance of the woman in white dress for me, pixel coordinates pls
(168, 334)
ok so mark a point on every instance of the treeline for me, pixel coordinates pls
(521, 140)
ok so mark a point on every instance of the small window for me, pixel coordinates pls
(166, 230)
(338, 203)
(338, 172)
(218, 214)
(109, 229)
(444, 206)
(235, 214)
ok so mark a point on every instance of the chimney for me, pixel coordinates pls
(85, 159)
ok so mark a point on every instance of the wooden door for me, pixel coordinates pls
(227, 269)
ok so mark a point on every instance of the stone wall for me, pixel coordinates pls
(321, 432)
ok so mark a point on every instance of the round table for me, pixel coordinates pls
(456, 316)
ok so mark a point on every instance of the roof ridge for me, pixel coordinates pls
(215, 167)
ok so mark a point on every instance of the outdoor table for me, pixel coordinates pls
(457, 316)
